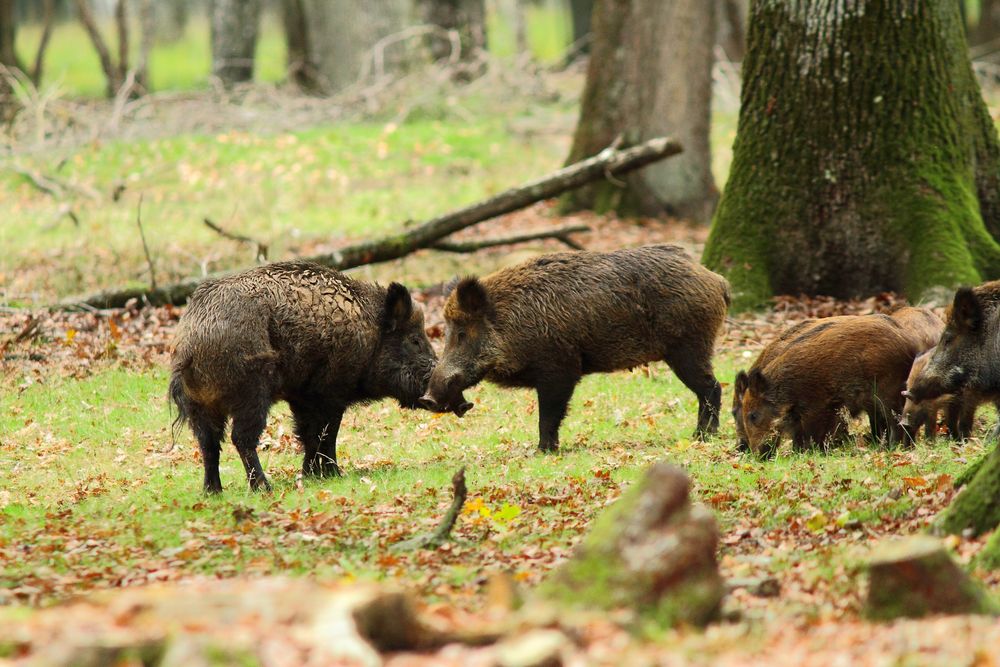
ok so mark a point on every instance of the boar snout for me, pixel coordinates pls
(427, 402)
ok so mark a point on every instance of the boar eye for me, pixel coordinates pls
(460, 336)
(754, 417)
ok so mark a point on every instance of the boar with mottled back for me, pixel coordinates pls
(547, 322)
(966, 361)
(297, 332)
(853, 363)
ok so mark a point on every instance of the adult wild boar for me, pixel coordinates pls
(965, 361)
(297, 332)
(921, 323)
(853, 363)
(549, 321)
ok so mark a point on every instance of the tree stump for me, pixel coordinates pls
(652, 553)
(915, 577)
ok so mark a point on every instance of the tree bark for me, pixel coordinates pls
(171, 20)
(234, 39)
(608, 162)
(580, 12)
(466, 17)
(988, 27)
(8, 60)
(650, 74)
(343, 33)
(113, 74)
(301, 64)
(865, 158)
(729, 15)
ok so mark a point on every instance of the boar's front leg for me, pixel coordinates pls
(554, 391)
(317, 430)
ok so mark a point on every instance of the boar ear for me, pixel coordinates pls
(966, 311)
(398, 307)
(740, 386)
(472, 297)
(756, 382)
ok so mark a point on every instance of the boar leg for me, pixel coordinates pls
(820, 427)
(209, 429)
(694, 369)
(554, 393)
(317, 430)
(248, 425)
(961, 417)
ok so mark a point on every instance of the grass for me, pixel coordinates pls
(91, 483)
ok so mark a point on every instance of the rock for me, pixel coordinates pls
(538, 648)
(652, 552)
(915, 576)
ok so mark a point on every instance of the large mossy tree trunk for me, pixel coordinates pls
(650, 74)
(976, 509)
(865, 158)
(234, 26)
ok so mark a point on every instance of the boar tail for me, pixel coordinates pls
(180, 399)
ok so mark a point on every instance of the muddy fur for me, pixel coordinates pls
(850, 364)
(300, 333)
(549, 321)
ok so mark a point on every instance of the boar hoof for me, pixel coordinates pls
(213, 490)
(548, 447)
(260, 485)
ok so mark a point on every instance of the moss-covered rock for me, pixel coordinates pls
(915, 577)
(652, 553)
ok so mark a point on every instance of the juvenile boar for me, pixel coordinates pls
(297, 332)
(853, 363)
(921, 323)
(925, 413)
(547, 322)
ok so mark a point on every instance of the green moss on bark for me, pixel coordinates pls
(863, 161)
(977, 507)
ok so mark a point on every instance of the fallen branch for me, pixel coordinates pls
(559, 233)
(261, 248)
(432, 540)
(52, 186)
(30, 330)
(609, 162)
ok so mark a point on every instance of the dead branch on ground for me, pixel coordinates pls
(609, 162)
(145, 247)
(559, 233)
(260, 247)
(443, 531)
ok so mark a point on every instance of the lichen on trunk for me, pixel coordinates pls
(865, 159)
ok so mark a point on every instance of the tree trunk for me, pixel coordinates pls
(234, 39)
(988, 27)
(581, 11)
(343, 33)
(865, 158)
(730, 28)
(8, 60)
(171, 20)
(650, 74)
(466, 17)
(301, 64)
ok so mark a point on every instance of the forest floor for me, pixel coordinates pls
(97, 495)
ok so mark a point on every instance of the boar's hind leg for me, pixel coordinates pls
(248, 424)
(209, 429)
(554, 393)
(317, 429)
(694, 369)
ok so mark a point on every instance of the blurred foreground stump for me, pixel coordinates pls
(652, 553)
(915, 577)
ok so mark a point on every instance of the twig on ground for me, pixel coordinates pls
(430, 540)
(261, 248)
(559, 233)
(28, 331)
(145, 246)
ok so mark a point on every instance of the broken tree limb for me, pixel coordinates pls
(443, 531)
(609, 162)
(260, 248)
(559, 233)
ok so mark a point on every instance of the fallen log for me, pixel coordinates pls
(608, 163)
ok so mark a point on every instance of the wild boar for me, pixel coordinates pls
(549, 321)
(300, 333)
(853, 363)
(965, 361)
(921, 323)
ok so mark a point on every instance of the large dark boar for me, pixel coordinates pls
(547, 322)
(297, 332)
(853, 363)
(965, 361)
